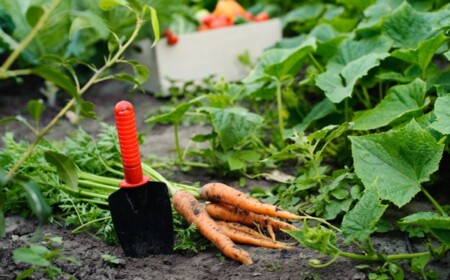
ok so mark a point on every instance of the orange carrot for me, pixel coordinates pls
(245, 235)
(224, 212)
(218, 192)
(194, 212)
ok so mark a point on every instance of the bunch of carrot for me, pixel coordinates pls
(226, 216)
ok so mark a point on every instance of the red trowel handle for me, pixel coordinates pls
(129, 146)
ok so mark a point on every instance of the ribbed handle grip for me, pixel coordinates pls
(129, 146)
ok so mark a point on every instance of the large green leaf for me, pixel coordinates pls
(338, 81)
(428, 220)
(303, 13)
(279, 62)
(360, 222)
(424, 52)
(401, 102)
(352, 61)
(399, 160)
(233, 125)
(442, 112)
(407, 27)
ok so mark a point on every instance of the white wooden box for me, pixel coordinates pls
(201, 54)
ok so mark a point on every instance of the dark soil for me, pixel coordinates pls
(209, 264)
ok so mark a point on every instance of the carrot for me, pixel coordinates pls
(218, 192)
(242, 234)
(244, 228)
(224, 212)
(194, 212)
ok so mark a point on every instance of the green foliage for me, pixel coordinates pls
(43, 259)
(352, 105)
(398, 161)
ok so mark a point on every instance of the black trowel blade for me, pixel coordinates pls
(142, 218)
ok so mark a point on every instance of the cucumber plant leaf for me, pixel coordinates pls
(352, 61)
(279, 62)
(233, 125)
(407, 27)
(360, 222)
(399, 160)
(442, 112)
(401, 102)
(424, 52)
(427, 219)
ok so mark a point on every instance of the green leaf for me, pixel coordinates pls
(30, 256)
(175, 115)
(281, 62)
(427, 219)
(58, 77)
(88, 110)
(317, 238)
(141, 74)
(35, 109)
(407, 27)
(442, 112)
(65, 167)
(402, 102)
(26, 273)
(88, 19)
(360, 222)
(109, 4)
(303, 13)
(11, 119)
(399, 160)
(423, 54)
(233, 125)
(155, 23)
(36, 201)
(235, 163)
(338, 81)
(34, 13)
(352, 61)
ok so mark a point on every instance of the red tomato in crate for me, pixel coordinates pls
(172, 39)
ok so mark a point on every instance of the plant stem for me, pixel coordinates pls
(376, 258)
(280, 107)
(109, 62)
(433, 201)
(367, 102)
(177, 143)
(316, 63)
(98, 186)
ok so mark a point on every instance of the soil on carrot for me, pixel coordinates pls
(210, 264)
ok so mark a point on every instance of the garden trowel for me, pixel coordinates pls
(141, 210)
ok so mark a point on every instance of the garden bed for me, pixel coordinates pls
(209, 264)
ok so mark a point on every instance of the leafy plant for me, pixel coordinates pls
(42, 259)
